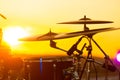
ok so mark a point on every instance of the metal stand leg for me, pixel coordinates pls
(89, 61)
(107, 59)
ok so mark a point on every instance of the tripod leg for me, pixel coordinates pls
(83, 70)
(106, 59)
(89, 66)
(95, 69)
(106, 56)
(88, 70)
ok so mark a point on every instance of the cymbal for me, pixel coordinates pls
(86, 21)
(40, 37)
(89, 32)
(3, 16)
(55, 36)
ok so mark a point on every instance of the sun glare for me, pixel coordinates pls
(12, 34)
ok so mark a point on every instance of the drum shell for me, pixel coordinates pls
(47, 69)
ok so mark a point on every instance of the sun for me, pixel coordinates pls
(12, 34)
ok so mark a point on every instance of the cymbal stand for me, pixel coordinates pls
(107, 60)
(78, 56)
(88, 61)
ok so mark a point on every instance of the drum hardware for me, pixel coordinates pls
(88, 34)
(89, 59)
(50, 69)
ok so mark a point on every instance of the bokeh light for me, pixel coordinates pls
(118, 57)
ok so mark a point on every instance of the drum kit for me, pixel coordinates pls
(87, 34)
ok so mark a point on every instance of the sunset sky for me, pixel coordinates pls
(33, 17)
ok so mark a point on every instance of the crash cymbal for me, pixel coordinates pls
(55, 36)
(89, 32)
(46, 36)
(86, 21)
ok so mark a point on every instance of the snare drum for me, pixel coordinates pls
(46, 69)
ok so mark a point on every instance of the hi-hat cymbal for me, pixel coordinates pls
(86, 21)
(55, 36)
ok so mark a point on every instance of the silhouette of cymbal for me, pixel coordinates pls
(40, 37)
(86, 21)
(3, 16)
(55, 36)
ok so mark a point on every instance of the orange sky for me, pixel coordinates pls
(38, 16)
